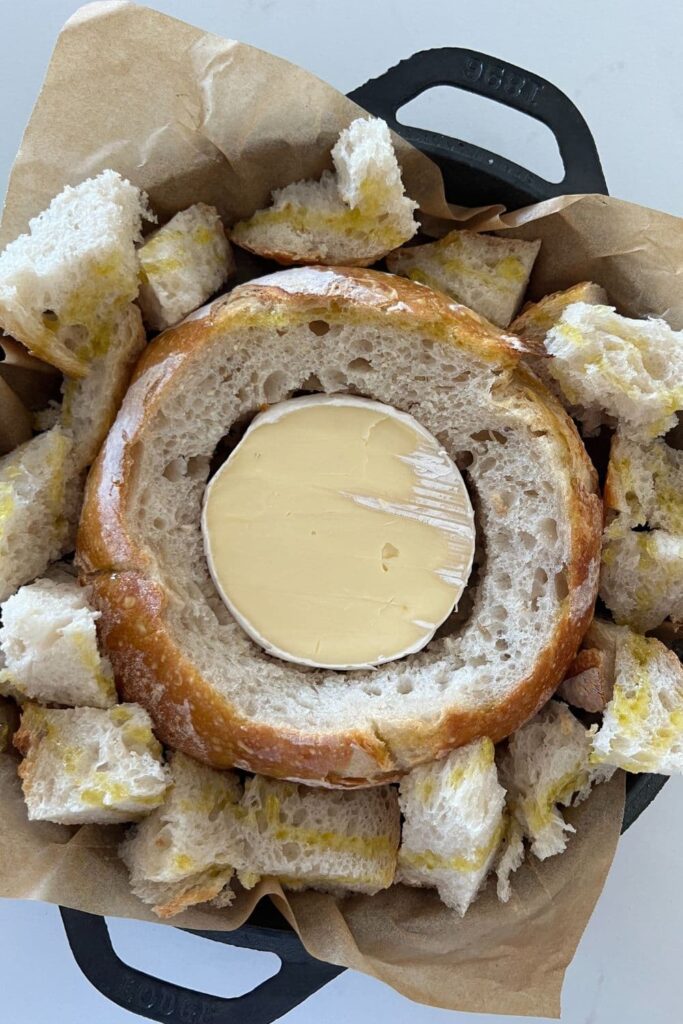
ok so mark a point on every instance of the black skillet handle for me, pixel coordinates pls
(300, 975)
(506, 83)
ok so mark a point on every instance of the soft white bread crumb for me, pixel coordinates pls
(587, 684)
(486, 273)
(611, 366)
(547, 765)
(453, 823)
(185, 851)
(36, 508)
(49, 642)
(183, 264)
(511, 857)
(334, 840)
(90, 765)
(641, 579)
(536, 318)
(70, 277)
(353, 217)
(642, 728)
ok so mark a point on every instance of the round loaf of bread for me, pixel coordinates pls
(214, 693)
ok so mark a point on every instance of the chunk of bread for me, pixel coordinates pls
(407, 346)
(36, 507)
(644, 485)
(318, 838)
(641, 579)
(453, 823)
(89, 406)
(90, 765)
(536, 318)
(65, 282)
(547, 766)
(617, 369)
(183, 264)
(352, 217)
(49, 642)
(185, 851)
(486, 273)
(587, 684)
(642, 728)
(534, 322)
(510, 856)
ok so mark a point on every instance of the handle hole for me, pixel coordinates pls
(486, 123)
(190, 960)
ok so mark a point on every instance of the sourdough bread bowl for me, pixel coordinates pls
(212, 692)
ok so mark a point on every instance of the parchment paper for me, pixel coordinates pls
(190, 117)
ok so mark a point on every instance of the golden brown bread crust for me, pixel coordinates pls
(135, 629)
(285, 259)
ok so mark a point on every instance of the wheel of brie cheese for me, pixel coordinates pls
(339, 532)
(279, 530)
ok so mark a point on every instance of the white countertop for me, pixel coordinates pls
(618, 60)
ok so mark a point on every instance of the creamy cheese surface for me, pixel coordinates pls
(339, 533)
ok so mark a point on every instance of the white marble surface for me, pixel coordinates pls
(619, 62)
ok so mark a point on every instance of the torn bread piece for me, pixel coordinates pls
(641, 579)
(352, 217)
(453, 823)
(65, 282)
(89, 406)
(185, 852)
(333, 840)
(536, 318)
(547, 766)
(90, 765)
(587, 684)
(49, 642)
(486, 273)
(642, 728)
(616, 369)
(36, 507)
(532, 325)
(510, 856)
(183, 264)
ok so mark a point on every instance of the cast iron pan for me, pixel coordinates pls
(473, 177)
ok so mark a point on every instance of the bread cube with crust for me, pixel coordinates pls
(486, 273)
(183, 264)
(64, 282)
(310, 838)
(48, 639)
(185, 852)
(352, 217)
(547, 767)
(453, 823)
(90, 765)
